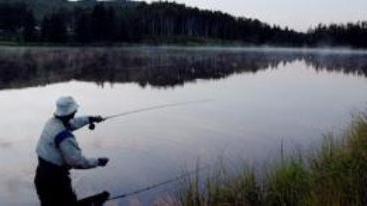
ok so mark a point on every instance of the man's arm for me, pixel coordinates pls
(72, 155)
(79, 122)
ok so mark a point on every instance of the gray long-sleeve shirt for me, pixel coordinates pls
(59, 146)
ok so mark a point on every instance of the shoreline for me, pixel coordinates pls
(198, 47)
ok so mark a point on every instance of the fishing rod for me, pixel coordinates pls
(92, 126)
(104, 197)
(154, 186)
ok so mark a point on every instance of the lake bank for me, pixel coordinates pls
(334, 175)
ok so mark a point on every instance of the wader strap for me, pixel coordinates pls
(62, 136)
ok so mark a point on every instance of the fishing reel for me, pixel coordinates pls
(93, 120)
(92, 126)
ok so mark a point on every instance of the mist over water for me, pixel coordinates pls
(262, 97)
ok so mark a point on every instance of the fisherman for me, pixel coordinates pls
(58, 152)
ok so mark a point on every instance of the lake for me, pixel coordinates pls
(262, 100)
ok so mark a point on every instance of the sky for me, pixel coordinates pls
(296, 14)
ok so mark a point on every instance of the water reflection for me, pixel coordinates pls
(158, 67)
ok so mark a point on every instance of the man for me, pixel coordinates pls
(58, 152)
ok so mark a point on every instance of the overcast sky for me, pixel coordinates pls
(297, 14)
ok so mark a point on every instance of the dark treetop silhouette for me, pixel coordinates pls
(89, 21)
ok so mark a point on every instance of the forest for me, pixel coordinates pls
(160, 22)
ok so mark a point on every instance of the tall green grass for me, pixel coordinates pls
(335, 175)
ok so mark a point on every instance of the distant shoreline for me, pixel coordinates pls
(219, 46)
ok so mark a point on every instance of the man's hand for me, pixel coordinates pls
(96, 119)
(102, 161)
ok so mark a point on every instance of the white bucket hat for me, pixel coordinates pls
(66, 106)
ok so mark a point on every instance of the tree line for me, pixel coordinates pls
(163, 22)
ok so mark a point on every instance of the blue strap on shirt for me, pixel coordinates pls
(62, 136)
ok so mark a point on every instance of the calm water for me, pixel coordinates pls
(261, 99)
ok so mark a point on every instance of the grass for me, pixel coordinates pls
(335, 175)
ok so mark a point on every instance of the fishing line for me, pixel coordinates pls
(92, 126)
(156, 108)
